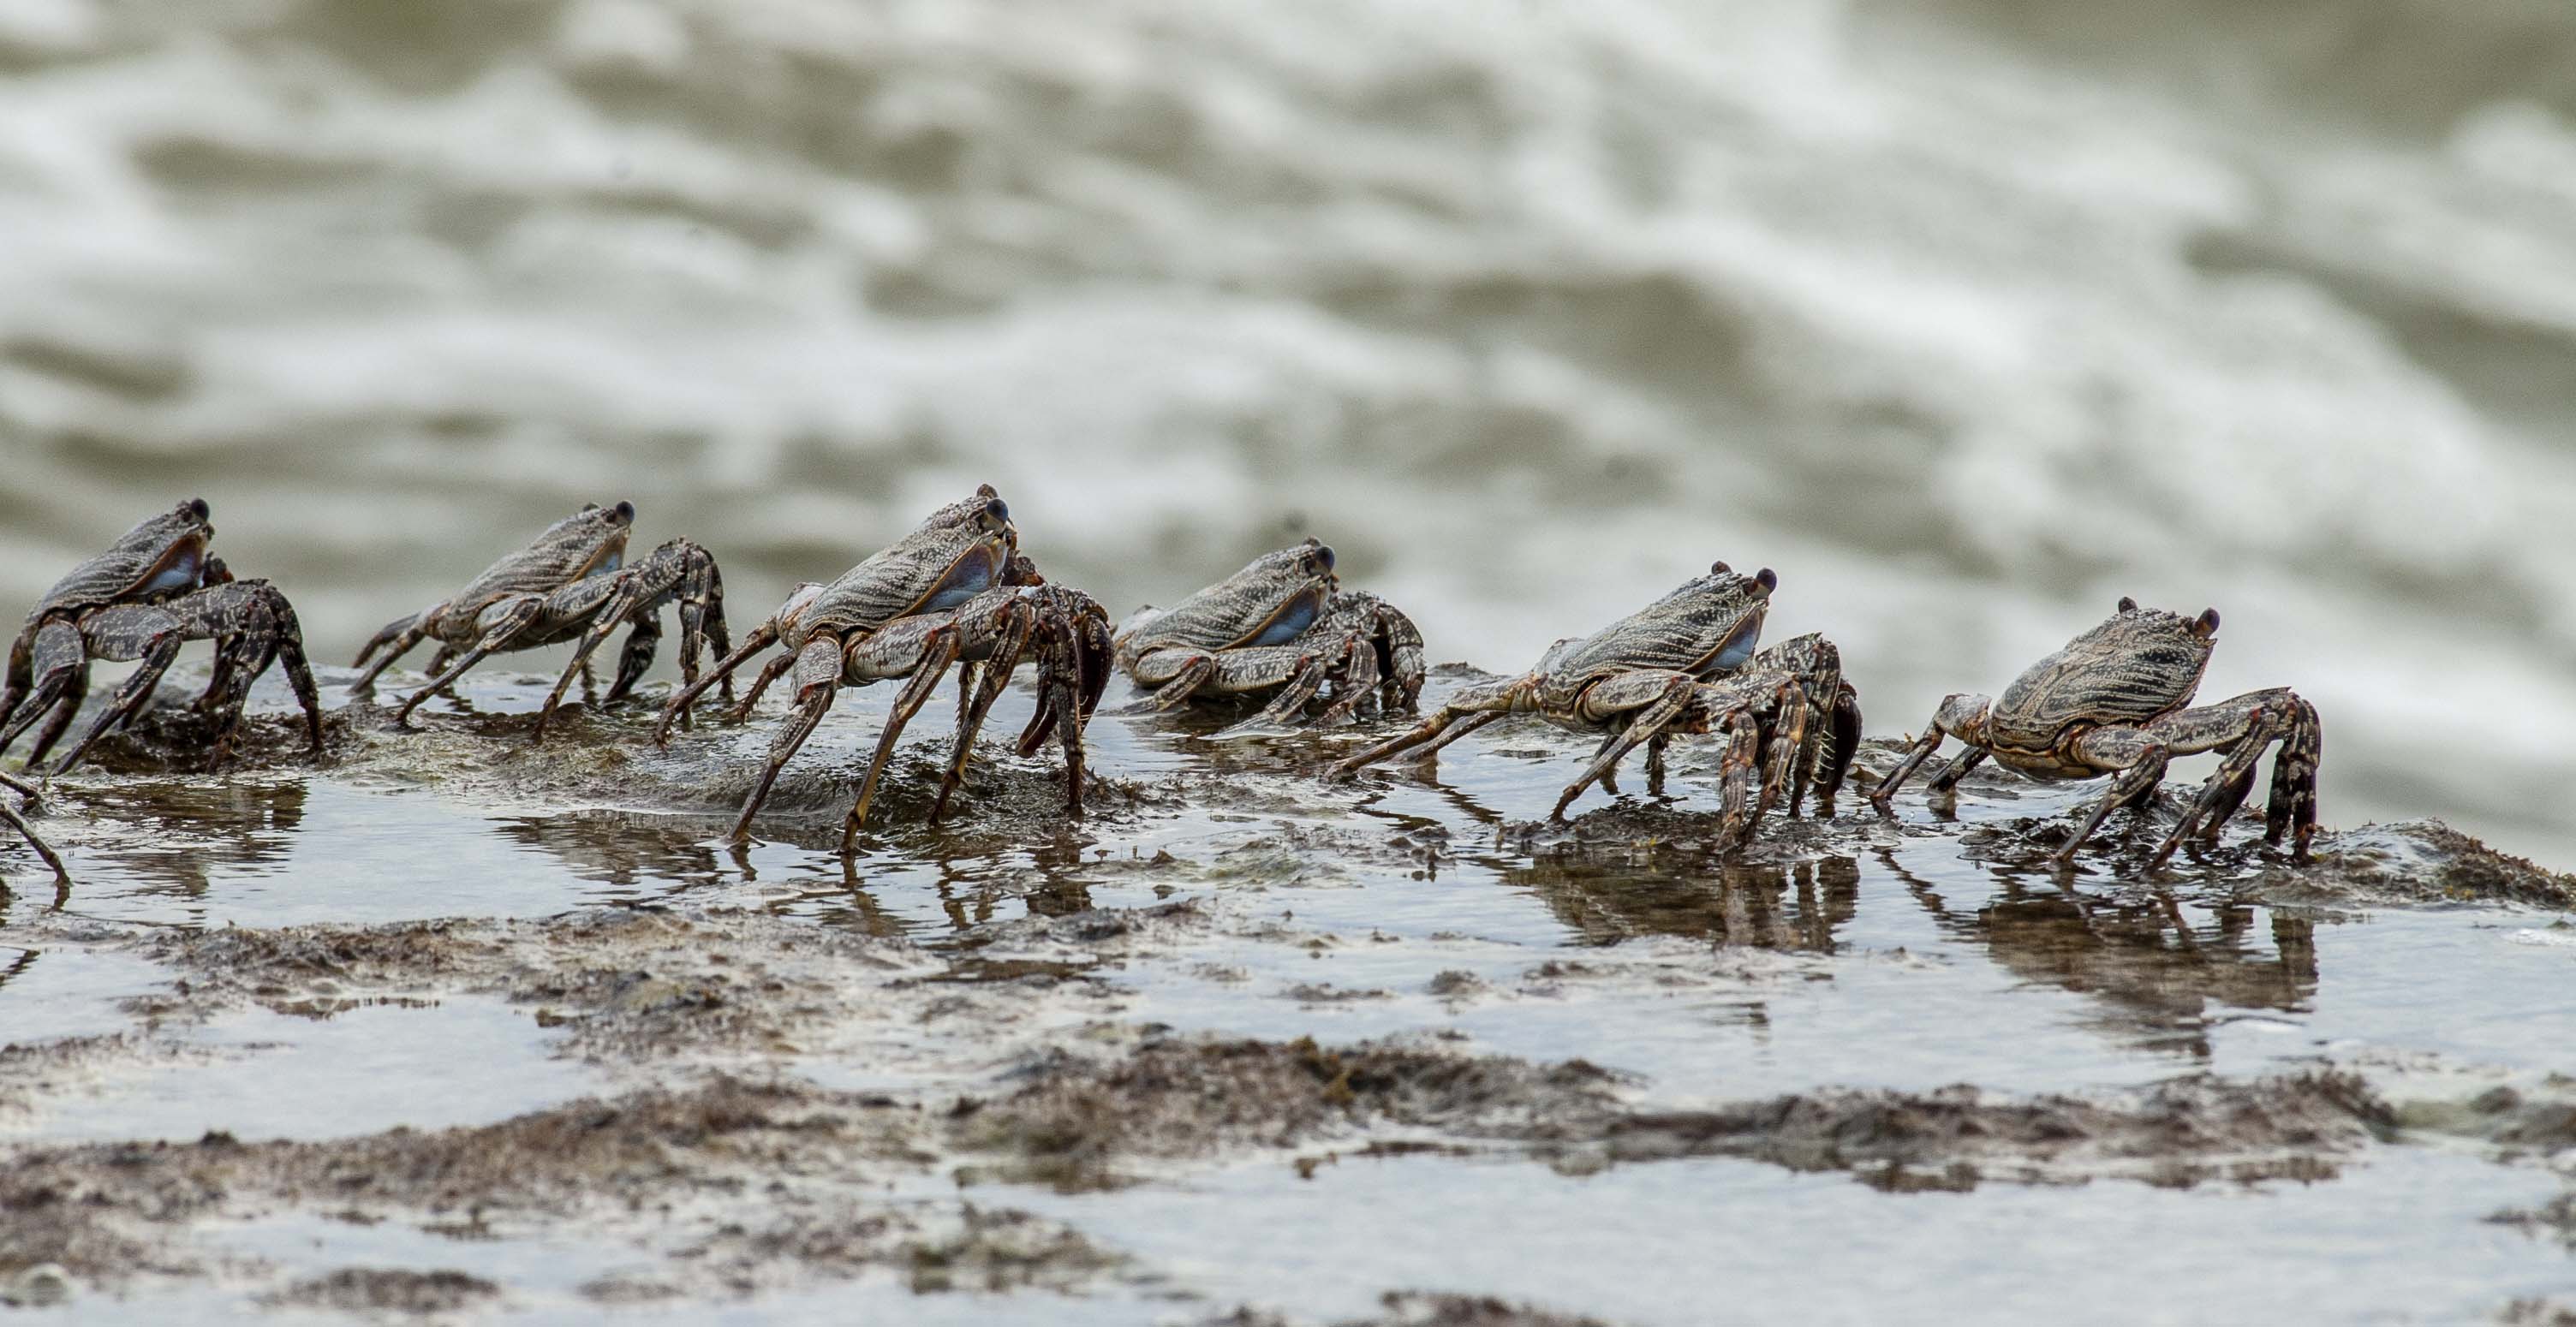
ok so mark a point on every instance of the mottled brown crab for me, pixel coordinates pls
(2114, 702)
(954, 591)
(9, 816)
(143, 599)
(1685, 664)
(571, 583)
(1281, 625)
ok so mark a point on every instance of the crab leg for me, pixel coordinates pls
(19, 823)
(1472, 708)
(64, 711)
(2139, 759)
(1356, 686)
(990, 676)
(818, 679)
(1656, 699)
(2248, 725)
(396, 638)
(1944, 783)
(1735, 775)
(59, 674)
(118, 634)
(759, 638)
(1061, 684)
(927, 657)
(1922, 750)
(1190, 677)
(507, 619)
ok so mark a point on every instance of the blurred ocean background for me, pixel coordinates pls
(1968, 316)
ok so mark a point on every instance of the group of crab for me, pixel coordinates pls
(957, 592)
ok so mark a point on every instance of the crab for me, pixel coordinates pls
(1685, 664)
(570, 584)
(1284, 626)
(954, 591)
(144, 599)
(2117, 701)
(10, 817)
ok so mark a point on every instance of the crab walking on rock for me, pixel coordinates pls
(955, 591)
(1685, 664)
(9, 815)
(2113, 702)
(143, 599)
(570, 583)
(1281, 625)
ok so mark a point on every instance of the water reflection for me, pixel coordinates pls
(186, 832)
(2156, 970)
(1606, 895)
(622, 848)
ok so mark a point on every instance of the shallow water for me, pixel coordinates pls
(1912, 953)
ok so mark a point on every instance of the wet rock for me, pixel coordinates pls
(384, 1291)
(2178, 1133)
(41, 1286)
(2428, 861)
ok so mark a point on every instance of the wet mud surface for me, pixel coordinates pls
(455, 1026)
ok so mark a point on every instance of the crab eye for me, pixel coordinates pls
(1719, 569)
(2128, 605)
(197, 507)
(2207, 623)
(1322, 556)
(1770, 580)
(625, 511)
(998, 510)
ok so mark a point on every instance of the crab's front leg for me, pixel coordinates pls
(2246, 726)
(1821, 755)
(253, 626)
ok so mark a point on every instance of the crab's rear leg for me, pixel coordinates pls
(63, 713)
(2134, 758)
(1175, 674)
(760, 638)
(56, 675)
(396, 639)
(1942, 789)
(152, 635)
(1299, 673)
(818, 679)
(1960, 716)
(1472, 708)
(1653, 700)
(501, 623)
(10, 816)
